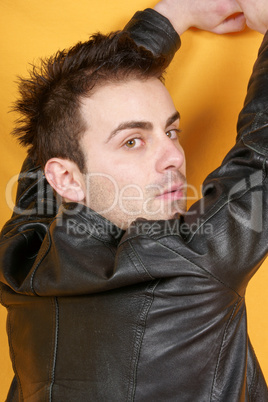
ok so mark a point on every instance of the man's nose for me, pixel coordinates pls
(169, 155)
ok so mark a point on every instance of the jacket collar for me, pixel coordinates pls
(84, 219)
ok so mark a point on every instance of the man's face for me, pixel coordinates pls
(135, 163)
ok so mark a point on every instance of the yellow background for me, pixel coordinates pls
(207, 80)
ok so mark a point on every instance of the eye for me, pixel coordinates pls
(133, 143)
(173, 134)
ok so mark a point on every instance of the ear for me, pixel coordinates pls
(66, 179)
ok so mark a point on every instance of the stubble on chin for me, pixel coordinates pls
(121, 207)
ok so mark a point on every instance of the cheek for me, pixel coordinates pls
(115, 181)
(102, 192)
(119, 171)
(128, 173)
(133, 178)
(129, 183)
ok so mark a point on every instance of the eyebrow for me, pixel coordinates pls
(145, 125)
(173, 118)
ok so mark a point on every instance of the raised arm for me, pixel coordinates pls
(230, 224)
(254, 114)
(159, 29)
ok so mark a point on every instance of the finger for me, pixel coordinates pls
(234, 23)
(233, 7)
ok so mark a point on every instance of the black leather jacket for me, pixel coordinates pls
(154, 314)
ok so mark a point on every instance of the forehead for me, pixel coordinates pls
(132, 99)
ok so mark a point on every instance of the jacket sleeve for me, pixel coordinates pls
(226, 232)
(153, 31)
(23, 235)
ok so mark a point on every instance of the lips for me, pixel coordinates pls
(171, 194)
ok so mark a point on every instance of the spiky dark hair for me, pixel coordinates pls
(50, 122)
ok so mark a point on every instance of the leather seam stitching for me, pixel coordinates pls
(140, 328)
(54, 349)
(221, 348)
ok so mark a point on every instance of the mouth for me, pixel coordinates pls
(172, 194)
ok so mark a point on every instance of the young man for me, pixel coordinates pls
(155, 313)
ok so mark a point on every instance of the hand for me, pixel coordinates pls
(218, 16)
(256, 14)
